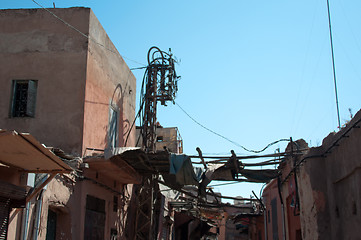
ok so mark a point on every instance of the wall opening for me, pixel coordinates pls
(94, 218)
(51, 225)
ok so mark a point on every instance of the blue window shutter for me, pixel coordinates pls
(113, 127)
(31, 98)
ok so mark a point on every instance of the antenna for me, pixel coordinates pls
(333, 64)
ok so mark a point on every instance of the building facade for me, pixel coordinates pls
(70, 88)
(317, 195)
(168, 137)
(329, 186)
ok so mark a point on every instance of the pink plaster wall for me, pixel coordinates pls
(77, 78)
(270, 193)
(34, 45)
(77, 82)
(109, 82)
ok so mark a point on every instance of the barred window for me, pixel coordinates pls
(23, 98)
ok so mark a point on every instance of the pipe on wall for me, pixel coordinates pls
(279, 185)
(25, 222)
(38, 214)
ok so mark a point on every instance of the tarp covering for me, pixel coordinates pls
(265, 175)
(222, 173)
(181, 166)
(167, 191)
(177, 169)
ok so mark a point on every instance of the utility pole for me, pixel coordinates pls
(159, 85)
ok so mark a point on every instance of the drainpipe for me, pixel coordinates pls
(283, 223)
(282, 208)
(25, 216)
(39, 203)
(38, 214)
(25, 221)
(264, 212)
(265, 224)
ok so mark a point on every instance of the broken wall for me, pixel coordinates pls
(330, 191)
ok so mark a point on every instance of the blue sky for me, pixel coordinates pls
(253, 71)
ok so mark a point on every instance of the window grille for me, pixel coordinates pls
(24, 98)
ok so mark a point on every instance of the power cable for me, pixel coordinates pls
(302, 76)
(83, 34)
(222, 184)
(138, 68)
(130, 129)
(229, 140)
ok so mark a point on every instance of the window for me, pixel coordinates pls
(51, 225)
(159, 138)
(113, 127)
(23, 98)
(94, 218)
(115, 204)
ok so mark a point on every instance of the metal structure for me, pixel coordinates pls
(160, 81)
(159, 85)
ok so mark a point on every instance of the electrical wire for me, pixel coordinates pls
(138, 114)
(83, 34)
(222, 184)
(229, 140)
(138, 68)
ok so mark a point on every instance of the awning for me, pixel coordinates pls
(143, 163)
(23, 152)
(263, 175)
(115, 168)
(176, 169)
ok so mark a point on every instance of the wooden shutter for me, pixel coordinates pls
(4, 217)
(31, 101)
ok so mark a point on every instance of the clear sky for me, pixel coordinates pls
(253, 71)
